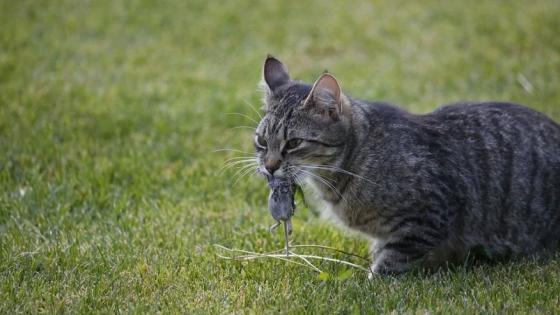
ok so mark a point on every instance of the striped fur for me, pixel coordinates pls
(428, 188)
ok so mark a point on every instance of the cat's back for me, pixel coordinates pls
(491, 115)
(495, 125)
(497, 140)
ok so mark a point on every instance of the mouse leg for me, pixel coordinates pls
(274, 226)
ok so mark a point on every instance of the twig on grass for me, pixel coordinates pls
(283, 256)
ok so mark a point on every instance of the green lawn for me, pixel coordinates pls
(111, 113)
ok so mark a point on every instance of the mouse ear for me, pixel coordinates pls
(275, 74)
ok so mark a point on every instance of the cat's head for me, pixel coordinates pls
(305, 127)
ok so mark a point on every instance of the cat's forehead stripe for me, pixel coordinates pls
(287, 120)
(278, 123)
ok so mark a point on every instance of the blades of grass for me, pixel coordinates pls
(286, 239)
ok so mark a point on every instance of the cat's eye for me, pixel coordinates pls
(293, 143)
(261, 141)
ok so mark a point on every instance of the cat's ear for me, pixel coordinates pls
(275, 74)
(327, 94)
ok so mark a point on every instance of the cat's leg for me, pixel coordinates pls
(399, 254)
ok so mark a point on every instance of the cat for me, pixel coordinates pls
(425, 189)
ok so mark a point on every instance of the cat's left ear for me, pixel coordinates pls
(327, 94)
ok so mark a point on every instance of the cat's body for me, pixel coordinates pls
(437, 185)
(426, 188)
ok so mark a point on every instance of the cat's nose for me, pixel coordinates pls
(272, 165)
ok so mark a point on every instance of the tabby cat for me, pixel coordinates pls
(426, 189)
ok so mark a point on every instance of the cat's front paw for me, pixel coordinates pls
(387, 266)
(371, 274)
(376, 270)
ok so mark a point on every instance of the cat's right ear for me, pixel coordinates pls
(275, 74)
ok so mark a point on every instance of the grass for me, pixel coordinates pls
(110, 113)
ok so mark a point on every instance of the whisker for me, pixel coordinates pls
(233, 163)
(243, 169)
(246, 116)
(355, 199)
(230, 150)
(246, 172)
(324, 181)
(247, 164)
(337, 169)
(236, 163)
(240, 158)
(251, 106)
(242, 127)
(298, 180)
(327, 183)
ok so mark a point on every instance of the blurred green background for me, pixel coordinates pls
(112, 112)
